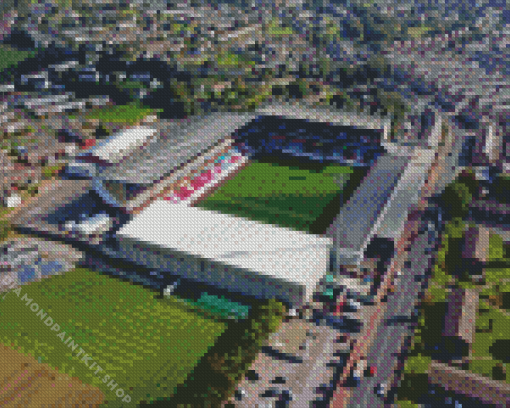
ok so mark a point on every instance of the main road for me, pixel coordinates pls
(384, 334)
(398, 315)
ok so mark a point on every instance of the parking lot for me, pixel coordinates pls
(25, 260)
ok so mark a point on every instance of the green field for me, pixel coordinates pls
(10, 56)
(146, 345)
(129, 84)
(287, 196)
(229, 59)
(418, 32)
(130, 114)
(274, 28)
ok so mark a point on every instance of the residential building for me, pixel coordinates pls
(476, 243)
(36, 82)
(13, 200)
(6, 88)
(43, 101)
(484, 390)
(461, 315)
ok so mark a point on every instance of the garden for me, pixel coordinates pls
(10, 56)
(492, 338)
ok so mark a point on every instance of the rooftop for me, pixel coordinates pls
(174, 147)
(119, 145)
(283, 262)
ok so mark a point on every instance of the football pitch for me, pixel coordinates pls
(288, 196)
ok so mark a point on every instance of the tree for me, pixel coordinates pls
(505, 300)
(499, 372)
(5, 228)
(499, 350)
(457, 199)
(102, 131)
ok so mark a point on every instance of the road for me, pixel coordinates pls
(377, 340)
(396, 324)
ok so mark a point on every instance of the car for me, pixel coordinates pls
(271, 392)
(344, 323)
(171, 288)
(329, 294)
(285, 396)
(352, 306)
(239, 394)
(68, 136)
(380, 390)
(371, 371)
(252, 375)
(279, 380)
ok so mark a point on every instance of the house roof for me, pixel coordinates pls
(461, 314)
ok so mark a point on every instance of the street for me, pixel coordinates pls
(382, 343)
(396, 323)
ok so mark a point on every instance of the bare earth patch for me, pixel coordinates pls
(26, 383)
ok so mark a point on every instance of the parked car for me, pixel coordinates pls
(22, 152)
(352, 306)
(271, 392)
(171, 288)
(371, 371)
(79, 171)
(68, 136)
(342, 323)
(239, 394)
(381, 390)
